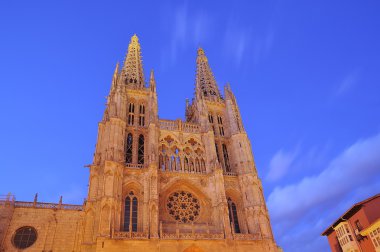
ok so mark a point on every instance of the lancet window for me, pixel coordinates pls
(220, 123)
(140, 150)
(232, 212)
(131, 114)
(210, 118)
(130, 212)
(217, 152)
(142, 115)
(226, 159)
(128, 149)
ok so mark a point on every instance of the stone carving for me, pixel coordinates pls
(183, 206)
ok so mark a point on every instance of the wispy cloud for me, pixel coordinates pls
(348, 82)
(308, 206)
(358, 164)
(242, 42)
(280, 164)
(187, 28)
(236, 40)
(263, 45)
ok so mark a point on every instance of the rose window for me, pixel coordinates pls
(183, 206)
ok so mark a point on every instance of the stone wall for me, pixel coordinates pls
(57, 229)
(187, 245)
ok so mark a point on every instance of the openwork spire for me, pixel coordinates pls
(133, 71)
(206, 86)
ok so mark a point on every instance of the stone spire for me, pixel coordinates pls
(152, 81)
(205, 83)
(115, 77)
(133, 71)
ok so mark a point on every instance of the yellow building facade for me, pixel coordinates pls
(156, 185)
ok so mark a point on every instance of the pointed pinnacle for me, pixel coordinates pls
(201, 57)
(134, 38)
(117, 68)
(151, 75)
(201, 51)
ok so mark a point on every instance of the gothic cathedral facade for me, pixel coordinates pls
(157, 185)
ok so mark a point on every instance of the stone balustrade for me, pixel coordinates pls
(246, 236)
(130, 235)
(169, 125)
(28, 204)
(178, 125)
(185, 171)
(230, 174)
(134, 166)
(191, 128)
(191, 236)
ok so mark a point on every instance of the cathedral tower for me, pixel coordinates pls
(169, 185)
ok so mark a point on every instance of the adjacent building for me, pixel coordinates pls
(155, 184)
(358, 229)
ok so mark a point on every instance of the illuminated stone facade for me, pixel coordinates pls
(158, 185)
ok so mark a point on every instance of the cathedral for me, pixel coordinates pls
(155, 184)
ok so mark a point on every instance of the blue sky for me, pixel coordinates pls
(305, 74)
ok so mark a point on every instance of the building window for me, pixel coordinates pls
(131, 114)
(183, 207)
(221, 129)
(128, 149)
(210, 118)
(232, 212)
(226, 160)
(358, 225)
(140, 158)
(346, 226)
(24, 237)
(220, 121)
(130, 212)
(186, 164)
(217, 152)
(142, 115)
(203, 166)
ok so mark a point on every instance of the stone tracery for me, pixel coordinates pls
(183, 206)
(176, 157)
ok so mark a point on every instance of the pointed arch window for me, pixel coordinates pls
(142, 115)
(221, 129)
(232, 212)
(128, 149)
(203, 166)
(217, 152)
(220, 120)
(140, 150)
(210, 118)
(197, 165)
(226, 159)
(130, 212)
(186, 164)
(131, 114)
